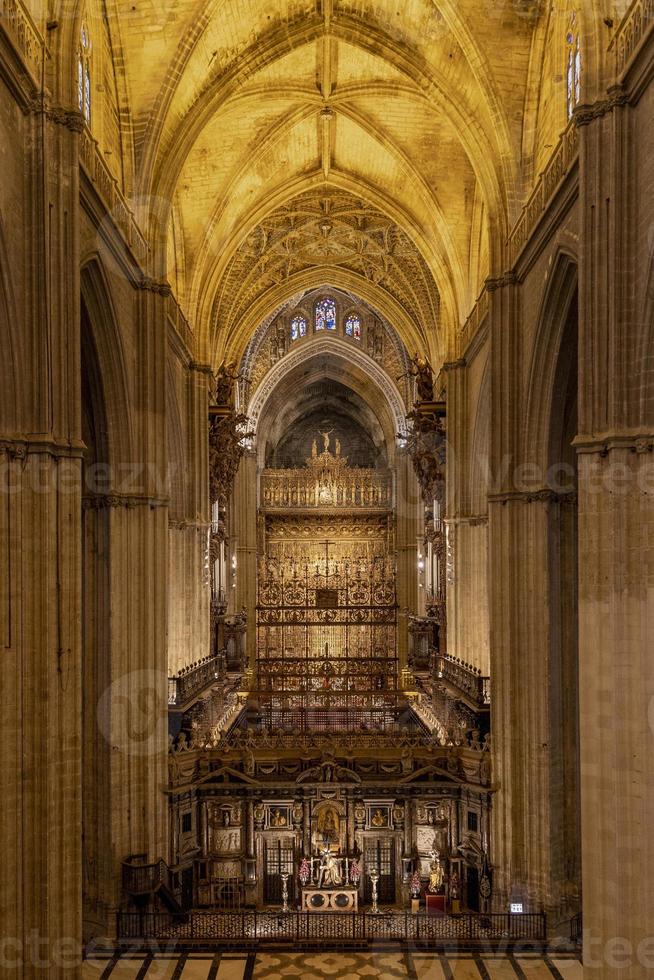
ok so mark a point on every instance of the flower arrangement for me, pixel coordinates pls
(415, 885)
(355, 872)
(304, 873)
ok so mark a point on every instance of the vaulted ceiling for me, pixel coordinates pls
(372, 144)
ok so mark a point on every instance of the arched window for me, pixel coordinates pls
(298, 327)
(573, 66)
(84, 74)
(326, 314)
(353, 326)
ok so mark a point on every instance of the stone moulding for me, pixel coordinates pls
(340, 349)
(130, 500)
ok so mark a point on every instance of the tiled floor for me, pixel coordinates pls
(333, 966)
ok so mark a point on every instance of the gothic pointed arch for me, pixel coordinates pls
(559, 295)
(11, 370)
(101, 332)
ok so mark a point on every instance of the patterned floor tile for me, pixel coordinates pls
(92, 969)
(463, 969)
(499, 969)
(197, 969)
(334, 966)
(127, 969)
(231, 969)
(162, 969)
(428, 968)
(534, 968)
(569, 969)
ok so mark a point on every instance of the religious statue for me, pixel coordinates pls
(314, 448)
(280, 339)
(325, 440)
(421, 370)
(436, 875)
(226, 375)
(338, 447)
(328, 872)
(298, 812)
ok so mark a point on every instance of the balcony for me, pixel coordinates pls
(192, 681)
(463, 681)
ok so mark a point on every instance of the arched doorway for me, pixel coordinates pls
(565, 806)
(96, 642)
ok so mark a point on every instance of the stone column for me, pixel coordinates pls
(518, 573)
(616, 576)
(244, 544)
(40, 504)
(190, 571)
(408, 527)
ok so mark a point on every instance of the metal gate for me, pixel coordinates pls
(380, 854)
(278, 857)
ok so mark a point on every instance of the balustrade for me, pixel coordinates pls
(191, 680)
(466, 678)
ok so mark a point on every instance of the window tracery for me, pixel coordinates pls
(84, 74)
(298, 327)
(325, 314)
(573, 66)
(353, 326)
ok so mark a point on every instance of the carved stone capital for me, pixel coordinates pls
(499, 282)
(585, 114)
(71, 119)
(100, 501)
(537, 495)
(159, 286)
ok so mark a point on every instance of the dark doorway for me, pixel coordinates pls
(380, 854)
(278, 857)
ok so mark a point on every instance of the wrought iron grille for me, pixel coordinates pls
(326, 642)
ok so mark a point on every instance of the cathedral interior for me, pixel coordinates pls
(327, 461)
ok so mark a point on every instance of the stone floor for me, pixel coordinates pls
(335, 966)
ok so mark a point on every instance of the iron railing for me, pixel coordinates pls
(188, 683)
(576, 929)
(465, 678)
(140, 879)
(253, 927)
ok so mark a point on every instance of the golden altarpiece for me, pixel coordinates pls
(325, 773)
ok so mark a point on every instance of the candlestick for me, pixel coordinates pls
(285, 877)
(374, 878)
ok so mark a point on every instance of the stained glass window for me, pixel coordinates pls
(353, 326)
(298, 327)
(84, 75)
(326, 314)
(573, 67)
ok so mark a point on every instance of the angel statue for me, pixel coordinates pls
(226, 375)
(421, 370)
